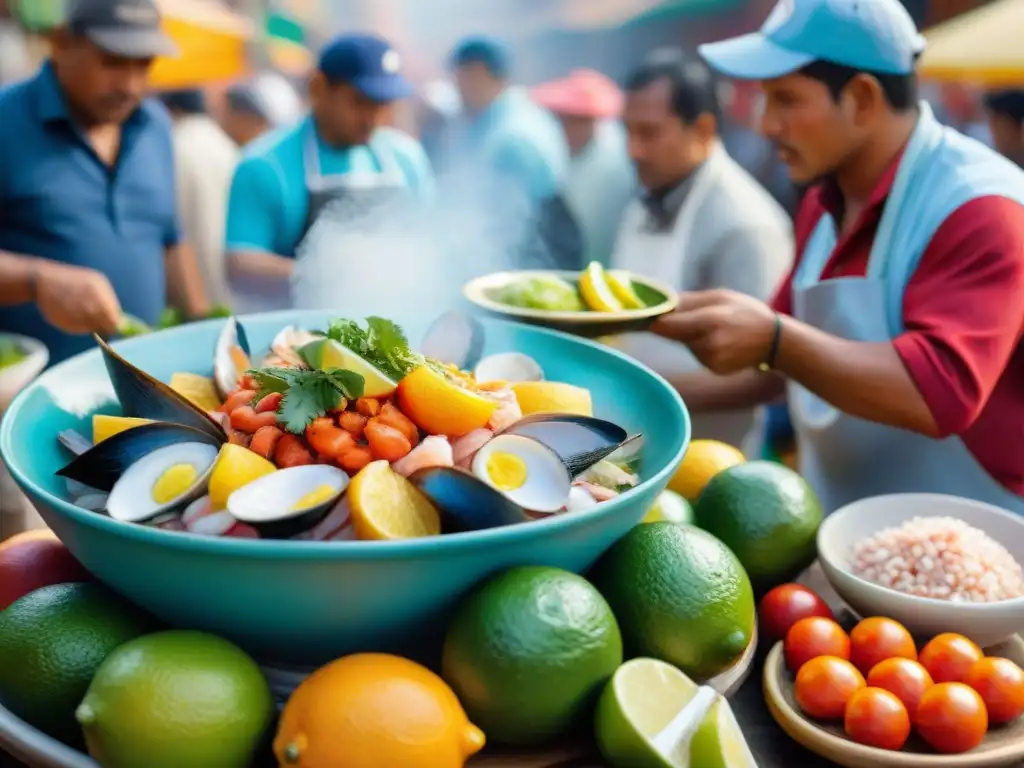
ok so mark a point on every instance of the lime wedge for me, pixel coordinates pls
(621, 284)
(719, 742)
(326, 354)
(596, 292)
(644, 698)
(670, 507)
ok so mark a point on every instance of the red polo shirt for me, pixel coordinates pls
(964, 315)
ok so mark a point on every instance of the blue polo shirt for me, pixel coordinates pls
(59, 201)
(269, 202)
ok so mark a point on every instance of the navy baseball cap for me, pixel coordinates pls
(128, 28)
(368, 63)
(867, 35)
(488, 51)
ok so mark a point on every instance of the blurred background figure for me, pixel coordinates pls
(256, 106)
(600, 180)
(438, 107)
(701, 222)
(1006, 122)
(204, 160)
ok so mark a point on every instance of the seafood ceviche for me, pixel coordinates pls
(345, 434)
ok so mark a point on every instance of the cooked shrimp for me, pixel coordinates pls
(506, 415)
(385, 441)
(353, 423)
(245, 419)
(265, 441)
(434, 451)
(270, 402)
(492, 386)
(238, 398)
(239, 438)
(368, 406)
(355, 458)
(290, 452)
(336, 519)
(598, 492)
(393, 417)
(328, 439)
(466, 446)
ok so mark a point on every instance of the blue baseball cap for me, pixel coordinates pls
(368, 63)
(488, 51)
(867, 35)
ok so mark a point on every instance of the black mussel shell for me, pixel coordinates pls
(105, 462)
(465, 502)
(145, 397)
(74, 442)
(243, 340)
(455, 338)
(580, 441)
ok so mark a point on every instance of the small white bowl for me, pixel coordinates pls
(988, 624)
(13, 378)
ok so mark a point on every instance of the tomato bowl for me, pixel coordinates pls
(300, 602)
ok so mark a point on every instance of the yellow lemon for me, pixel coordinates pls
(375, 709)
(595, 290)
(703, 460)
(235, 467)
(385, 506)
(107, 426)
(441, 404)
(199, 390)
(621, 284)
(552, 397)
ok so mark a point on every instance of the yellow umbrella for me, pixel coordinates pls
(982, 46)
(212, 44)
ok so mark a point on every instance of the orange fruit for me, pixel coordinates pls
(35, 559)
(441, 405)
(373, 709)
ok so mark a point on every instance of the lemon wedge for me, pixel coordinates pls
(198, 390)
(104, 426)
(235, 467)
(385, 506)
(621, 284)
(596, 291)
(552, 397)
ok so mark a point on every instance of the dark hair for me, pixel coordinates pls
(489, 52)
(694, 86)
(1009, 103)
(243, 100)
(188, 101)
(900, 91)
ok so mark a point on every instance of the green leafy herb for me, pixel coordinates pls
(308, 395)
(10, 352)
(382, 343)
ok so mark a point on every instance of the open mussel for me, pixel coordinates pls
(148, 470)
(466, 503)
(454, 338)
(142, 396)
(580, 441)
(289, 501)
(231, 357)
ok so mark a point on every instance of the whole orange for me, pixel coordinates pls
(373, 709)
(32, 560)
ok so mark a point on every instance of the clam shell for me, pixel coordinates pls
(580, 441)
(455, 338)
(465, 502)
(145, 397)
(512, 367)
(127, 502)
(225, 373)
(267, 503)
(102, 465)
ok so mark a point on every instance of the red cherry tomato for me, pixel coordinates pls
(877, 718)
(949, 657)
(812, 637)
(824, 685)
(952, 718)
(1000, 683)
(784, 606)
(877, 639)
(905, 679)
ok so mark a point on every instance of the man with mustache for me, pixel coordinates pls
(898, 333)
(87, 203)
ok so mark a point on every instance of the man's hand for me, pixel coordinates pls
(726, 330)
(76, 299)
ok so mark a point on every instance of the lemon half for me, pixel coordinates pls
(596, 291)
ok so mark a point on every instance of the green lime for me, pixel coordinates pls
(669, 507)
(174, 699)
(767, 514)
(528, 652)
(52, 641)
(719, 742)
(680, 596)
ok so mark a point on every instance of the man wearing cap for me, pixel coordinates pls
(600, 181)
(87, 205)
(898, 334)
(340, 156)
(252, 108)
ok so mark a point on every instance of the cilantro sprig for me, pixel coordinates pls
(382, 343)
(308, 395)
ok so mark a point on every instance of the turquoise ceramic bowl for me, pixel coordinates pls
(306, 602)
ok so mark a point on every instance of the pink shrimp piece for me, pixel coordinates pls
(336, 519)
(393, 417)
(385, 441)
(216, 524)
(345, 533)
(201, 507)
(434, 451)
(506, 415)
(242, 531)
(466, 446)
(599, 493)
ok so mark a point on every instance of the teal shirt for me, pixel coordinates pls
(268, 205)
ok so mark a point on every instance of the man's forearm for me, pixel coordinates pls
(862, 379)
(259, 265)
(184, 282)
(17, 279)
(704, 391)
